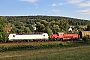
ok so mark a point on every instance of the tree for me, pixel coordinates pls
(30, 27)
(3, 34)
(27, 30)
(52, 23)
(40, 27)
(44, 22)
(13, 30)
(2, 22)
(48, 30)
(63, 25)
(88, 27)
(19, 24)
(55, 28)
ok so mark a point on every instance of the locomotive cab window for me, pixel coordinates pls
(43, 35)
(13, 35)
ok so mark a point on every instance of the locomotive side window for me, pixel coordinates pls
(13, 35)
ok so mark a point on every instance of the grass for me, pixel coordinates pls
(70, 53)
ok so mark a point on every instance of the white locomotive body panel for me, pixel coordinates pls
(28, 37)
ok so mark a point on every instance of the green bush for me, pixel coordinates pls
(86, 39)
(40, 46)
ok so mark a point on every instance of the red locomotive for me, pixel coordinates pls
(62, 36)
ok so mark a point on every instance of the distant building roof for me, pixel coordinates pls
(70, 29)
(7, 29)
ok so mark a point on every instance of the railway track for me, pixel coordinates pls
(40, 42)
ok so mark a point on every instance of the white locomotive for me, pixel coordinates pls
(15, 37)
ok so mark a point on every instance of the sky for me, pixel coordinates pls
(67, 8)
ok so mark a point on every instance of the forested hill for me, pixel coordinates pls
(47, 24)
(34, 19)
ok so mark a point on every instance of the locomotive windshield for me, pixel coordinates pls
(13, 35)
(43, 35)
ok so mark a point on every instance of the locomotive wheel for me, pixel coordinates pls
(61, 39)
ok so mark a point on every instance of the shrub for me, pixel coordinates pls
(41, 46)
(86, 39)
